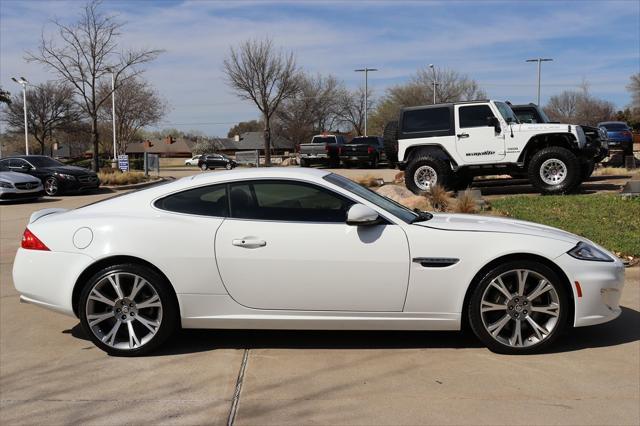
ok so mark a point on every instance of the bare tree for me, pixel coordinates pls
(5, 97)
(88, 52)
(312, 110)
(137, 105)
(244, 127)
(451, 86)
(634, 89)
(51, 108)
(351, 109)
(579, 107)
(257, 72)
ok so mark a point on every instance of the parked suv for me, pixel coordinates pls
(449, 144)
(322, 149)
(211, 161)
(596, 136)
(619, 134)
(56, 177)
(363, 150)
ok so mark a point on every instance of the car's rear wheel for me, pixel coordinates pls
(424, 172)
(128, 310)
(519, 308)
(51, 186)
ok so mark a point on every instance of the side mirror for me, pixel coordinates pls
(495, 123)
(361, 215)
(26, 167)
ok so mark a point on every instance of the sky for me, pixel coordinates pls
(593, 41)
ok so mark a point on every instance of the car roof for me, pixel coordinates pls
(612, 122)
(257, 173)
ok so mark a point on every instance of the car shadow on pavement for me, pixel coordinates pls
(625, 329)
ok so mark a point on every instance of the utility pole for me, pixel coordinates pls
(113, 115)
(23, 82)
(366, 94)
(539, 61)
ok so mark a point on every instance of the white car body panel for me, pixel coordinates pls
(368, 279)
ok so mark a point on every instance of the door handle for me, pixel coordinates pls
(249, 243)
(462, 135)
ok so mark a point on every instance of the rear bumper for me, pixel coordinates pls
(356, 158)
(601, 284)
(34, 279)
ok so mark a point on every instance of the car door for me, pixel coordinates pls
(477, 141)
(286, 246)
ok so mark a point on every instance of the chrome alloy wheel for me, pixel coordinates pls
(51, 186)
(553, 171)
(425, 177)
(124, 310)
(520, 308)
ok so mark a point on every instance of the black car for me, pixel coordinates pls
(56, 177)
(363, 150)
(211, 161)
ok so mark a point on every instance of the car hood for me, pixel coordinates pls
(475, 223)
(71, 170)
(14, 177)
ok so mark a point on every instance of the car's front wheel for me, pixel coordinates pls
(229, 166)
(519, 307)
(204, 167)
(424, 172)
(51, 186)
(128, 310)
(554, 170)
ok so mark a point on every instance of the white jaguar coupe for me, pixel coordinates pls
(306, 249)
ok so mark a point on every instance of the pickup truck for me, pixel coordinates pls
(596, 137)
(322, 149)
(363, 149)
(449, 144)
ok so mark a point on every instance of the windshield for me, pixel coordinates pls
(396, 209)
(366, 140)
(324, 139)
(506, 112)
(44, 162)
(615, 126)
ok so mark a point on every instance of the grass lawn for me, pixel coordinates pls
(607, 219)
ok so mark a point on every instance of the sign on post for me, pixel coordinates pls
(123, 162)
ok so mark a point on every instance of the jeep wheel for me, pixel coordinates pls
(554, 170)
(424, 172)
(390, 137)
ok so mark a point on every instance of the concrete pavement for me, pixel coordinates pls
(50, 373)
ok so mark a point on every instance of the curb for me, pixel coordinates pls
(136, 185)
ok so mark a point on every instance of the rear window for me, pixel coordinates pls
(203, 201)
(426, 120)
(324, 139)
(615, 126)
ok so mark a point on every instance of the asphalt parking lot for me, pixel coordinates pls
(50, 373)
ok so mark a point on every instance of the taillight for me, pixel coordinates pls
(626, 133)
(31, 242)
(326, 148)
(370, 150)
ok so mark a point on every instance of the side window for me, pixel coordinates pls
(16, 163)
(4, 163)
(287, 201)
(474, 116)
(204, 201)
(426, 120)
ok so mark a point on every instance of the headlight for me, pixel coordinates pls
(5, 184)
(584, 251)
(66, 176)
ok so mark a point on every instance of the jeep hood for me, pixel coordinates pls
(544, 127)
(475, 223)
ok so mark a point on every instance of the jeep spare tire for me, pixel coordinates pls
(425, 171)
(390, 137)
(554, 170)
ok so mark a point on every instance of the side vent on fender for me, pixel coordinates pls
(435, 262)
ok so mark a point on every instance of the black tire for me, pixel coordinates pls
(564, 157)
(586, 169)
(229, 166)
(441, 168)
(169, 312)
(304, 163)
(52, 186)
(374, 162)
(562, 320)
(390, 138)
(204, 167)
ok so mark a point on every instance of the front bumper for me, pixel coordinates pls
(18, 194)
(79, 185)
(601, 285)
(40, 279)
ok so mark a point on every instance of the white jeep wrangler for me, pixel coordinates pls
(449, 144)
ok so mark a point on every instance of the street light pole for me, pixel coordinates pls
(366, 94)
(23, 82)
(113, 114)
(434, 82)
(539, 61)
